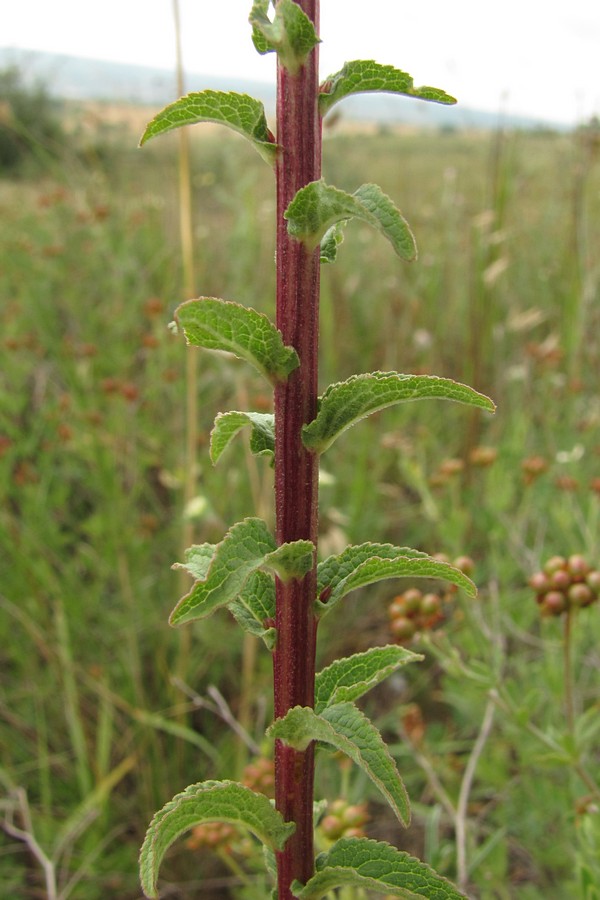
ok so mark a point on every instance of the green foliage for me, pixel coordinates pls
(223, 570)
(107, 499)
(210, 801)
(227, 574)
(239, 112)
(228, 425)
(344, 404)
(344, 727)
(366, 76)
(291, 34)
(318, 207)
(377, 867)
(30, 127)
(369, 563)
(220, 325)
(352, 676)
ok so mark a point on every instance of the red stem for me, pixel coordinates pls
(296, 470)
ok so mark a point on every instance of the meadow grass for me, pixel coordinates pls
(505, 297)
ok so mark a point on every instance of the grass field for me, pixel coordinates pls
(105, 712)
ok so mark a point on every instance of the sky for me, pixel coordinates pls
(539, 58)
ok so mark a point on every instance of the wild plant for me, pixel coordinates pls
(274, 584)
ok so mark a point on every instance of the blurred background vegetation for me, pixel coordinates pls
(105, 712)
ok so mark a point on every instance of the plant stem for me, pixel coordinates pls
(568, 674)
(296, 470)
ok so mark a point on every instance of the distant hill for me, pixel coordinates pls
(76, 78)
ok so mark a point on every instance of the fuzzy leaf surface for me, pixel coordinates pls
(198, 558)
(347, 402)
(209, 801)
(291, 34)
(349, 678)
(346, 728)
(292, 560)
(228, 425)
(254, 608)
(330, 242)
(223, 325)
(242, 551)
(240, 112)
(375, 866)
(333, 571)
(247, 547)
(363, 76)
(356, 571)
(319, 206)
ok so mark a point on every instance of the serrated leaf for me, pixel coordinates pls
(319, 206)
(363, 76)
(291, 34)
(330, 242)
(228, 425)
(223, 325)
(346, 728)
(375, 866)
(198, 558)
(240, 112)
(242, 551)
(247, 547)
(292, 560)
(346, 403)
(367, 563)
(210, 801)
(254, 608)
(349, 678)
(333, 571)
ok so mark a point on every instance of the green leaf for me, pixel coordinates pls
(291, 33)
(242, 551)
(292, 560)
(228, 425)
(346, 403)
(318, 206)
(254, 608)
(247, 547)
(210, 801)
(333, 571)
(198, 558)
(363, 76)
(240, 112)
(222, 325)
(369, 563)
(330, 241)
(347, 729)
(352, 676)
(374, 866)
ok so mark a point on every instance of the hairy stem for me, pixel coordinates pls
(296, 470)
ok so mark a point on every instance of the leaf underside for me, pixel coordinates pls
(241, 113)
(217, 324)
(318, 207)
(367, 76)
(254, 608)
(347, 402)
(228, 425)
(209, 801)
(374, 866)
